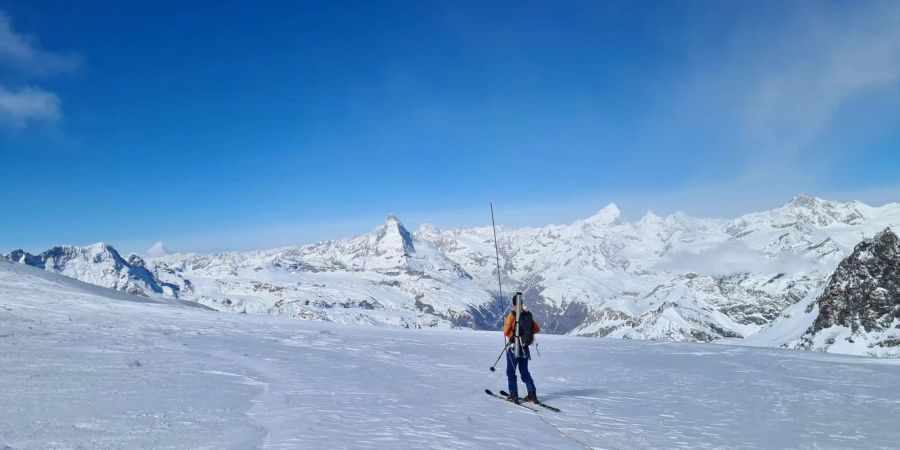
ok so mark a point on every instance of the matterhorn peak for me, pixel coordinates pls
(393, 235)
(610, 215)
(391, 225)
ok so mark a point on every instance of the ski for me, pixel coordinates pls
(491, 393)
(544, 405)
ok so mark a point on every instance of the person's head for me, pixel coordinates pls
(515, 298)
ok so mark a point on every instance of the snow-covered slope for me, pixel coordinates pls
(87, 367)
(671, 278)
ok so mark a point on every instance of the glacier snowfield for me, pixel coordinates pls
(86, 367)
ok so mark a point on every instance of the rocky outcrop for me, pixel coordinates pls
(860, 306)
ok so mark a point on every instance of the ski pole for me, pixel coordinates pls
(500, 356)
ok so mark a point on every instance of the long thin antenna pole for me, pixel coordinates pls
(497, 250)
(499, 280)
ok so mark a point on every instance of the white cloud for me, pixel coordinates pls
(157, 249)
(18, 108)
(733, 257)
(21, 52)
(21, 106)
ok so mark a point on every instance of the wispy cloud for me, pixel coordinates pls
(769, 98)
(818, 66)
(21, 52)
(26, 105)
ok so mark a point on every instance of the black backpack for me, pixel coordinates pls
(526, 328)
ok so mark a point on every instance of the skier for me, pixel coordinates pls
(527, 329)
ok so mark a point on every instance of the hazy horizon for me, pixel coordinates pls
(260, 238)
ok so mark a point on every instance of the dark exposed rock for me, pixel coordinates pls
(488, 316)
(424, 307)
(553, 318)
(863, 293)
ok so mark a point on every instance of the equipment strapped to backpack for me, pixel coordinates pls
(526, 328)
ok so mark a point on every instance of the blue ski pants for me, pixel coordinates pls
(522, 363)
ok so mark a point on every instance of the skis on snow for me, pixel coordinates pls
(543, 405)
(492, 394)
(527, 405)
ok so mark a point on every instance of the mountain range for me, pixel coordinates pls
(674, 278)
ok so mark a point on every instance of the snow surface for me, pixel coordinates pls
(84, 366)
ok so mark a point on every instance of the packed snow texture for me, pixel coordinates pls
(87, 367)
(674, 278)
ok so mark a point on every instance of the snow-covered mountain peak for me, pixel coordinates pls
(820, 212)
(680, 217)
(428, 229)
(609, 215)
(810, 225)
(392, 219)
(649, 218)
(96, 253)
(805, 200)
(101, 250)
(393, 237)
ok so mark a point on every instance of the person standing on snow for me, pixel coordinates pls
(528, 327)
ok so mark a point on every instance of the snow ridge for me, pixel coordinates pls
(100, 264)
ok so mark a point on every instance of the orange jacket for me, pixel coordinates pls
(509, 325)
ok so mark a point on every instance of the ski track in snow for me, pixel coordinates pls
(82, 370)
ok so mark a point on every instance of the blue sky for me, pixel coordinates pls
(260, 124)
